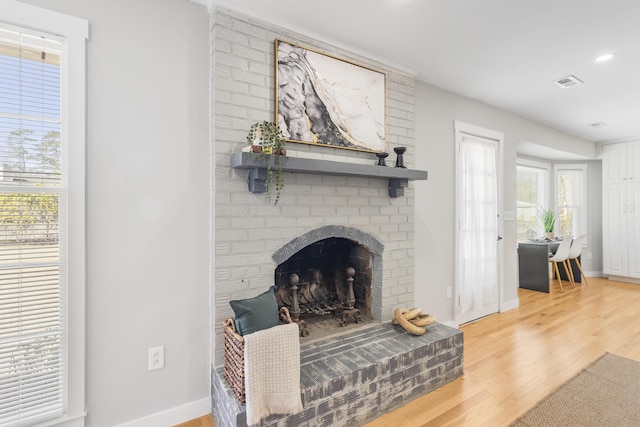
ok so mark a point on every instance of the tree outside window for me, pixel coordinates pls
(571, 200)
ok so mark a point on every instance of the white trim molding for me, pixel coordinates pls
(173, 416)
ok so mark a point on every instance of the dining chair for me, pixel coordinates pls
(574, 253)
(561, 255)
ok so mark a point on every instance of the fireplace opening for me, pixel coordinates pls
(327, 286)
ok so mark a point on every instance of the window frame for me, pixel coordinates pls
(73, 117)
(582, 193)
(545, 201)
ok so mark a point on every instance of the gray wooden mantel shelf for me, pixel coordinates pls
(398, 177)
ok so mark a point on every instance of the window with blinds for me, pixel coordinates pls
(32, 234)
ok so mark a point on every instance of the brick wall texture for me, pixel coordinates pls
(247, 230)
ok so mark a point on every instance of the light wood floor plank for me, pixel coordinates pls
(514, 359)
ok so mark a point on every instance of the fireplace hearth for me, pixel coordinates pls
(350, 379)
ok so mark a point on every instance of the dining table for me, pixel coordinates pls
(533, 264)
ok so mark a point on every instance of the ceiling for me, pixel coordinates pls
(505, 53)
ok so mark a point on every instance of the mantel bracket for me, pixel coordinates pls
(397, 186)
(257, 180)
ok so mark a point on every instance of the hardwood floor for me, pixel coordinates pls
(204, 421)
(514, 359)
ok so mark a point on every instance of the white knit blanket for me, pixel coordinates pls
(272, 372)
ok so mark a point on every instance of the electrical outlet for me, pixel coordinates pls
(589, 255)
(449, 292)
(156, 358)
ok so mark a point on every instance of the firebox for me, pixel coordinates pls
(326, 285)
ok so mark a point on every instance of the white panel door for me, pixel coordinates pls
(478, 251)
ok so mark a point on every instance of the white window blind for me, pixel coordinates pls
(32, 229)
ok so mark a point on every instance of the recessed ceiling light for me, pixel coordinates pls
(605, 57)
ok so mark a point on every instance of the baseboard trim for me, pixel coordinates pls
(173, 416)
(624, 279)
(510, 305)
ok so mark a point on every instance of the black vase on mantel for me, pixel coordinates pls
(400, 160)
(381, 157)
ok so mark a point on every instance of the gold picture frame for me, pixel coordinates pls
(326, 101)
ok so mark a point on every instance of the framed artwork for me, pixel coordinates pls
(323, 100)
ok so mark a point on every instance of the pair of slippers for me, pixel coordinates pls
(413, 320)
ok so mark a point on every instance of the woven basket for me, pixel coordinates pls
(234, 355)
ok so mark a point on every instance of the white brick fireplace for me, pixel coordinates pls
(247, 231)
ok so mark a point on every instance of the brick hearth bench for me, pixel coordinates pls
(353, 378)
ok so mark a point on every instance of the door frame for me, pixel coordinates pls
(461, 129)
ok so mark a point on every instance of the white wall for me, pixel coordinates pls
(436, 110)
(594, 265)
(147, 204)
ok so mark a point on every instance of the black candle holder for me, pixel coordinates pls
(400, 160)
(381, 157)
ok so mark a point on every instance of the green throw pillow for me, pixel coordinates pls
(256, 314)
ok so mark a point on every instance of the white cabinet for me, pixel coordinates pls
(621, 163)
(621, 209)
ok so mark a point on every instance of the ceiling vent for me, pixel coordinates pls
(598, 124)
(568, 81)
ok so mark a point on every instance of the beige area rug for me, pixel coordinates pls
(607, 393)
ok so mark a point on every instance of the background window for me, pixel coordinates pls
(571, 200)
(42, 232)
(532, 182)
(32, 282)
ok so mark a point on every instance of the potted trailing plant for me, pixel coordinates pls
(267, 143)
(548, 219)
